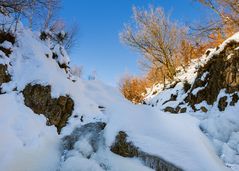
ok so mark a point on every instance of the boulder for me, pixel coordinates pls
(174, 110)
(126, 148)
(222, 104)
(4, 76)
(204, 109)
(56, 110)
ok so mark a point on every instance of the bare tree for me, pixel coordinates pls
(41, 15)
(72, 37)
(38, 12)
(67, 36)
(155, 36)
(227, 10)
(227, 22)
(12, 6)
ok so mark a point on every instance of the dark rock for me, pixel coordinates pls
(173, 110)
(144, 103)
(81, 119)
(54, 55)
(101, 107)
(235, 99)
(4, 76)
(63, 66)
(122, 147)
(204, 109)
(208, 52)
(186, 86)
(7, 51)
(170, 110)
(183, 110)
(56, 110)
(155, 92)
(125, 148)
(173, 97)
(222, 104)
(7, 36)
(177, 109)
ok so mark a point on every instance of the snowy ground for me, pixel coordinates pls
(26, 143)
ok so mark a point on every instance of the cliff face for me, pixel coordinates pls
(220, 72)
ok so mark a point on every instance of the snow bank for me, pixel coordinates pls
(26, 143)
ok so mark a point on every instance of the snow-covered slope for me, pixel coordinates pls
(28, 144)
(193, 93)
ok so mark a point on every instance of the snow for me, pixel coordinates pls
(222, 128)
(28, 144)
(6, 44)
(83, 147)
(77, 163)
(113, 162)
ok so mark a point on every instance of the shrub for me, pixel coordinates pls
(133, 88)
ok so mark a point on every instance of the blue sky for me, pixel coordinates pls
(101, 21)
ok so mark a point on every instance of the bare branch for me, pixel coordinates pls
(155, 36)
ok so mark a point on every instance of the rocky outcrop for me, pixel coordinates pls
(125, 148)
(176, 110)
(220, 72)
(6, 36)
(56, 110)
(222, 104)
(4, 76)
(235, 99)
